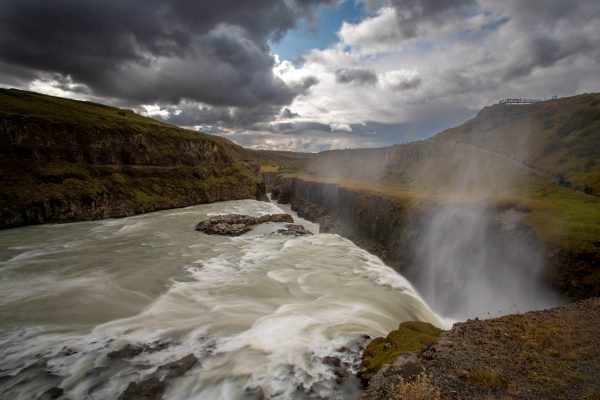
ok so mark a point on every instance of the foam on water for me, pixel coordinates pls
(260, 311)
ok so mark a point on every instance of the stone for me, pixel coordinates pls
(237, 224)
(179, 367)
(148, 389)
(332, 361)
(128, 351)
(294, 230)
(153, 387)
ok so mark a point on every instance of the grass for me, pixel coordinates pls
(410, 336)
(487, 378)
(419, 389)
(22, 105)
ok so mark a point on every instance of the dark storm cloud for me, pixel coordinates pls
(146, 51)
(355, 75)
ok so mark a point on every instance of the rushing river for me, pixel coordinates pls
(260, 311)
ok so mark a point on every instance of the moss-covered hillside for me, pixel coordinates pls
(66, 160)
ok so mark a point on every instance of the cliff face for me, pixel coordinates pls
(395, 229)
(57, 165)
(538, 160)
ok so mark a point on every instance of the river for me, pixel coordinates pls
(260, 311)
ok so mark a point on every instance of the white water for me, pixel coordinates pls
(260, 311)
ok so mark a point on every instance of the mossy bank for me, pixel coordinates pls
(63, 160)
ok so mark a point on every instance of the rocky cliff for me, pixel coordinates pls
(394, 226)
(537, 163)
(63, 160)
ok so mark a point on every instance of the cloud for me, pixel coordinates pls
(420, 17)
(150, 51)
(287, 113)
(407, 69)
(376, 32)
(401, 79)
(339, 127)
(355, 75)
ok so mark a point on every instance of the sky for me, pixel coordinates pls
(302, 75)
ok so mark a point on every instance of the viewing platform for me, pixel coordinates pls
(519, 101)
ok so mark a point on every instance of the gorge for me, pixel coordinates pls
(112, 293)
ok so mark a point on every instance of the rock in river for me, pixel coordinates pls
(237, 224)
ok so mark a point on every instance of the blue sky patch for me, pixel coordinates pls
(320, 33)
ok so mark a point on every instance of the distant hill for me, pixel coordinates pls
(67, 160)
(541, 158)
(557, 140)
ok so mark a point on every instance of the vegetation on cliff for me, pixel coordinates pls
(537, 355)
(66, 160)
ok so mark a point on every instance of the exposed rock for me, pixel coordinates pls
(51, 394)
(237, 224)
(153, 387)
(384, 384)
(294, 230)
(332, 361)
(179, 367)
(128, 351)
(148, 389)
(275, 218)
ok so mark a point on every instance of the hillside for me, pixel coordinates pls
(540, 160)
(65, 160)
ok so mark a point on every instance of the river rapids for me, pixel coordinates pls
(260, 311)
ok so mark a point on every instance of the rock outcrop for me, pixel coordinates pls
(548, 354)
(153, 387)
(294, 230)
(237, 224)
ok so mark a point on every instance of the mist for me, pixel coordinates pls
(465, 242)
(472, 262)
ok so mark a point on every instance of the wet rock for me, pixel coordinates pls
(276, 218)
(294, 230)
(153, 387)
(332, 361)
(237, 224)
(178, 368)
(51, 394)
(128, 351)
(148, 389)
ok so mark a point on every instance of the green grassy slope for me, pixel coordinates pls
(558, 137)
(65, 160)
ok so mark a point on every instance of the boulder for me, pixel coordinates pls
(237, 224)
(128, 351)
(153, 388)
(294, 230)
(148, 389)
